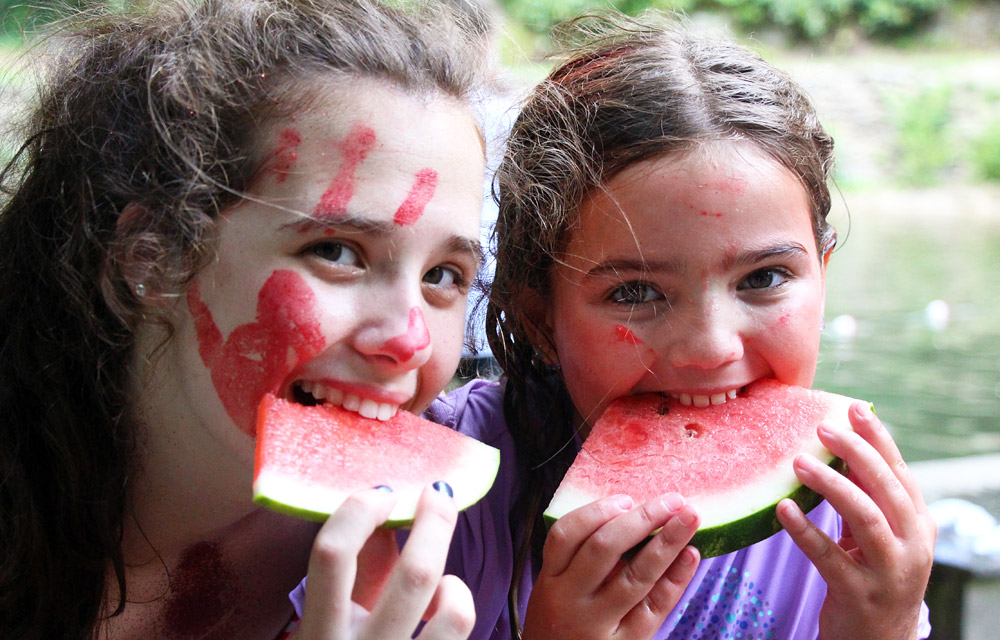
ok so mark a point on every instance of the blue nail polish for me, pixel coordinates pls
(383, 488)
(443, 487)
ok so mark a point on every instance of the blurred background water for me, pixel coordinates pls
(913, 319)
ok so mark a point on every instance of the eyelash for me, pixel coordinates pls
(460, 281)
(785, 274)
(621, 293)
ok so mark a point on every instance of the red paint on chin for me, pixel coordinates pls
(285, 155)
(257, 356)
(424, 185)
(417, 337)
(624, 334)
(353, 149)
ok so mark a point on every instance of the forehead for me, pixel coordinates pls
(359, 143)
(719, 191)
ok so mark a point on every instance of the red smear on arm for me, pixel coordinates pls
(424, 185)
(417, 337)
(624, 334)
(353, 151)
(285, 155)
(257, 356)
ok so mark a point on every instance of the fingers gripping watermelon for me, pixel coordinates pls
(732, 462)
(310, 458)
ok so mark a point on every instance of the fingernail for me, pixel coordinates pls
(443, 487)
(383, 488)
(625, 502)
(686, 517)
(673, 501)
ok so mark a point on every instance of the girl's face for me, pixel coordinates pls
(343, 278)
(692, 275)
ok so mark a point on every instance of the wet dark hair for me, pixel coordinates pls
(140, 134)
(630, 90)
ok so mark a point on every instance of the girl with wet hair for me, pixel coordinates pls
(663, 229)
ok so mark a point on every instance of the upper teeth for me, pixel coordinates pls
(365, 406)
(705, 400)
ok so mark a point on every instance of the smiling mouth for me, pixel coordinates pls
(698, 400)
(313, 394)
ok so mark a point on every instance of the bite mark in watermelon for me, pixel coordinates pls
(732, 462)
(310, 458)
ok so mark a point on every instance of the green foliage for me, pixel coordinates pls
(541, 15)
(803, 20)
(985, 153)
(922, 127)
(813, 20)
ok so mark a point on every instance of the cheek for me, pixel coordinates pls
(257, 357)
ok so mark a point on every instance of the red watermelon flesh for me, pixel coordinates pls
(310, 458)
(732, 462)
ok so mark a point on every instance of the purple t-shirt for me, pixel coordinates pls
(768, 590)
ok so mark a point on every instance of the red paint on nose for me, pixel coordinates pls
(417, 337)
(354, 149)
(424, 185)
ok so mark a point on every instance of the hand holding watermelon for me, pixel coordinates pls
(877, 571)
(361, 587)
(583, 584)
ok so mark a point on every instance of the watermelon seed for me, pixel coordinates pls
(664, 409)
(384, 488)
(693, 430)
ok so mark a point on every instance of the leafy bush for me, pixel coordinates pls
(922, 126)
(805, 20)
(985, 153)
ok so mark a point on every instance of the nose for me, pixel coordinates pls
(397, 337)
(706, 335)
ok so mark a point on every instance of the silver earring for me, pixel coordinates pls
(140, 290)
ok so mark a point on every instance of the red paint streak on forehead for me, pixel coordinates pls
(710, 214)
(624, 334)
(417, 337)
(202, 588)
(257, 356)
(353, 149)
(285, 155)
(424, 185)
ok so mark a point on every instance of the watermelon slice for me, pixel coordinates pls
(310, 458)
(732, 462)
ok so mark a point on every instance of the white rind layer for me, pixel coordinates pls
(470, 477)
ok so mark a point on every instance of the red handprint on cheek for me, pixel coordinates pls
(257, 356)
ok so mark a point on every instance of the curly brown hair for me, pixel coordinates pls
(141, 133)
(629, 90)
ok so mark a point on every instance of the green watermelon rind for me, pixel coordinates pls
(751, 529)
(470, 480)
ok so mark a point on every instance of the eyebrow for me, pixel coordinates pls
(614, 266)
(359, 224)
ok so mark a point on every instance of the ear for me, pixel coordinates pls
(828, 246)
(131, 255)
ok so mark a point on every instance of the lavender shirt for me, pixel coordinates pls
(768, 590)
